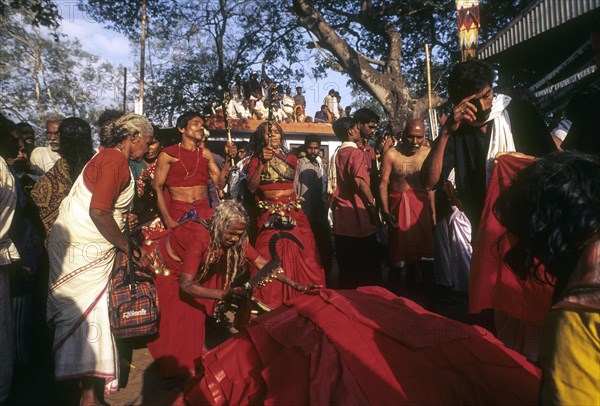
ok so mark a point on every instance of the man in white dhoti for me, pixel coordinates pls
(82, 248)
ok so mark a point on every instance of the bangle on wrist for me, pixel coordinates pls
(371, 204)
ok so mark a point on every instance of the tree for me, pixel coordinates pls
(379, 44)
(44, 13)
(44, 73)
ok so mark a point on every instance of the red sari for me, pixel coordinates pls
(362, 346)
(300, 264)
(492, 284)
(181, 332)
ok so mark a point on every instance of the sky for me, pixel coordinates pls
(115, 48)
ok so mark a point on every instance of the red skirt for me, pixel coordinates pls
(181, 332)
(301, 265)
(413, 239)
(362, 346)
(492, 284)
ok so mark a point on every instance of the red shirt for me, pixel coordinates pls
(350, 216)
(190, 164)
(105, 176)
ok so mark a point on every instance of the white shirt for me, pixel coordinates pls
(279, 115)
(332, 104)
(43, 159)
(8, 202)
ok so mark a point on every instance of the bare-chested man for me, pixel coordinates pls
(406, 204)
(184, 169)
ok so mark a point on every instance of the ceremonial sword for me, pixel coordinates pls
(265, 272)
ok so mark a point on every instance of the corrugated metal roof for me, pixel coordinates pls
(542, 16)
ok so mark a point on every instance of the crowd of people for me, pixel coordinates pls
(402, 212)
(251, 100)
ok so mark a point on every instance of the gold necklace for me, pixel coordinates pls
(187, 174)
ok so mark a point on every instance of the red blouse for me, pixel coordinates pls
(106, 175)
(191, 169)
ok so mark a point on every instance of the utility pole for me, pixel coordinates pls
(124, 90)
(142, 58)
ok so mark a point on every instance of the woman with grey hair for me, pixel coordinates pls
(82, 248)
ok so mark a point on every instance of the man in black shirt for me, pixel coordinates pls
(481, 127)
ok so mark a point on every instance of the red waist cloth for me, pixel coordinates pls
(302, 265)
(492, 284)
(178, 209)
(362, 346)
(413, 239)
(191, 165)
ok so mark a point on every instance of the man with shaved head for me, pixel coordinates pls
(406, 205)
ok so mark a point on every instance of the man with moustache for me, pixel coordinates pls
(43, 158)
(184, 170)
(311, 185)
(481, 127)
(406, 205)
(367, 121)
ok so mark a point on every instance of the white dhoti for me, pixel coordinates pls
(453, 250)
(81, 262)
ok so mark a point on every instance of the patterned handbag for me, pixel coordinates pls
(133, 305)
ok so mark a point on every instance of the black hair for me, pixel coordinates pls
(553, 208)
(243, 145)
(468, 78)
(9, 146)
(257, 139)
(365, 115)
(312, 138)
(185, 118)
(76, 146)
(167, 136)
(25, 130)
(108, 116)
(342, 126)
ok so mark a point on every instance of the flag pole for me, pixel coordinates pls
(433, 125)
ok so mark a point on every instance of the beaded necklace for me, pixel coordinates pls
(187, 174)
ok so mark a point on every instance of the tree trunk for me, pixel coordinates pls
(386, 87)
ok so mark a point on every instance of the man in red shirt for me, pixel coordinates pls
(354, 212)
(366, 121)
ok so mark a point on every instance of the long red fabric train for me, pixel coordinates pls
(364, 346)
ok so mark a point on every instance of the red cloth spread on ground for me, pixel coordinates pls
(492, 284)
(302, 265)
(191, 164)
(181, 331)
(362, 346)
(413, 239)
